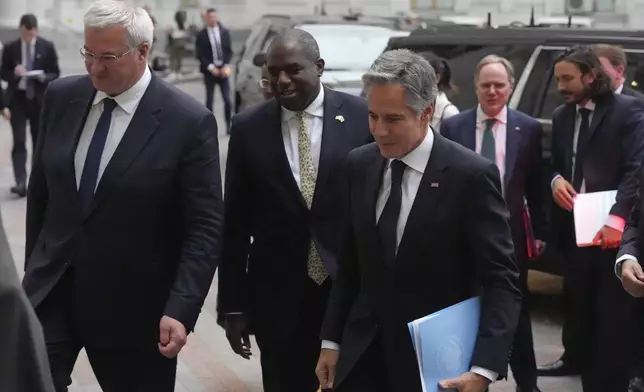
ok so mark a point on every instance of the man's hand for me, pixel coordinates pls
(19, 70)
(173, 337)
(6, 114)
(325, 370)
(608, 237)
(215, 71)
(563, 193)
(466, 382)
(226, 71)
(238, 334)
(633, 278)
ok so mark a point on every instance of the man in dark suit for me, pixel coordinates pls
(124, 212)
(598, 145)
(512, 140)
(614, 60)
(282, 186)
(214, 52)
(23, 358)
(29, 53)
(428, 229)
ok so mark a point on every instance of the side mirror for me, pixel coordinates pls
(259, 59)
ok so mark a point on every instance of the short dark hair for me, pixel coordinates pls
(209, 10)
(587, 61)
(303, 39)
(441, 67)
(29, 21)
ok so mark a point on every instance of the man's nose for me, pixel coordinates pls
(283, 78)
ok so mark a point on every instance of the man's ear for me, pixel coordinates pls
(319, 64)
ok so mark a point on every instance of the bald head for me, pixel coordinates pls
(297, 39)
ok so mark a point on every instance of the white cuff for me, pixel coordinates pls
(211, 66)
(616, 222)
(330, 345)
(620, 261)
(552, 183)
(490, 375)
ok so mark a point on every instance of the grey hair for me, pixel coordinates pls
(409, 70)
(494, 59)
(110, 13)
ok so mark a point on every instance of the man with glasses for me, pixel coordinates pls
(28, 65)
(124, 211)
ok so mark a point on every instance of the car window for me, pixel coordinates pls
(349, 48)
(463, 60)
(635, 70)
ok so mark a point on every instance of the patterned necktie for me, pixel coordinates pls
(30, 91)
(308, 176)
(488, 146)
(89, 177)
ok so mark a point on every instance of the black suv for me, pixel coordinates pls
(247, 75)
(532, 51)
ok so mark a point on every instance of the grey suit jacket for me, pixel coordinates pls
(23, 357)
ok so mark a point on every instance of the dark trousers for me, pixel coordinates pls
(369, 374)
(288, 365)
(23, 110)
(224, 86)
(522, 360)
(600, 313)
(117, 369)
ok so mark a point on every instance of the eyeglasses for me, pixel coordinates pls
(264, 83)
(103, 58)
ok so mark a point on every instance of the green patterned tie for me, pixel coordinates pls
(488, 146)
(315, 266)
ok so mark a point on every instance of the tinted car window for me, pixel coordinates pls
(463, 60)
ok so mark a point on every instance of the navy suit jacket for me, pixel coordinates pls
(203, 48)
(149, 244)
(610, 159)
(524, 170)
(262, 200)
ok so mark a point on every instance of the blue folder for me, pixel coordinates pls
(444, 342)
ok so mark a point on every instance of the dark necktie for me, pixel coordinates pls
(89, 178)
(218, 51)
(388, 222)
(30, 91)
(488, 145)
(582, 138)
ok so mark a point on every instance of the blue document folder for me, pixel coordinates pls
(444, 342)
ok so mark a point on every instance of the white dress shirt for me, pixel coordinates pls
(127, 102)
(214, 37)
(26, 47)
(500, 132)
(313, 119)
(416, 161)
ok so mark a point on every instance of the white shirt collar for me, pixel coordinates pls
(32, 43)
(316, 108)
(502, 116)
(418, 157)
(590, 105)
(129, 99)
(619, 89)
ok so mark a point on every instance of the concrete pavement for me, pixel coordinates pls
(207, 364)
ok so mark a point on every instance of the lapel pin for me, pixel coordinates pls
(517, 128)
(339, 118)
(434, 185)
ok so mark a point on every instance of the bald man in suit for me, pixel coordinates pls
(23, 358)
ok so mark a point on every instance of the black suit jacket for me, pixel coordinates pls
(204, 50)
(149, 244)
(610, 159)
(24, 365)
(632, 93)
(45, 58)
(457, 244)
(524, 170)
(264, 279)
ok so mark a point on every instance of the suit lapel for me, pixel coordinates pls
(275, 147)
(428, 193)
(73, 121)
(143, 125)
(568, 129)
(601, 107)
(468, 131)
(38, 54)
(373, 181)
(512, 144)
(332, 134)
